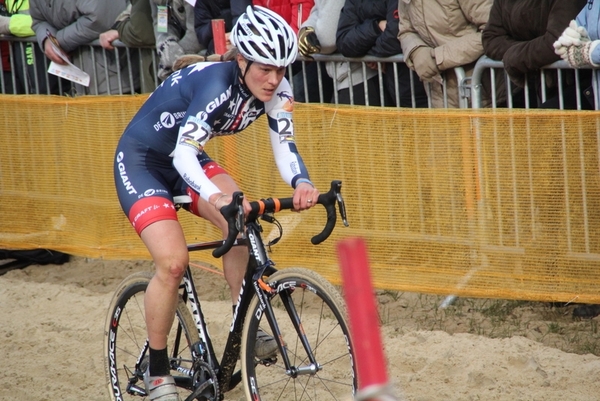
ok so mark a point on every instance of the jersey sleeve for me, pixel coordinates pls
(281, 129)
(196, 129)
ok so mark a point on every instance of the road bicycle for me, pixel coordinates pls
(303, 312)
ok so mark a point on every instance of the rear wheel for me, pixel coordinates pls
(125, 337)
(323, 316)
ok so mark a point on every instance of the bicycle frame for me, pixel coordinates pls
(259, 265)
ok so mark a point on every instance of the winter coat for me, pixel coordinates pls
(359, 35)
(521, 33)
(358, 32)
(76, 23)
(180, 37)
(589, 18)
(136, 29)
(20, 20)
(453, 29)
(294, 12)
(204, 12)
(324, 18)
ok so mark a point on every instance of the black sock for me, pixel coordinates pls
(159, 362)
(233, 308)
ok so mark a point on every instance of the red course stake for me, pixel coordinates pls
(364, 324)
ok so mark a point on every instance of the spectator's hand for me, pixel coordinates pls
(51, 54)
(308, 43)
(382, 24)
(581, 56)
(573, 35)
(106, 38)
(425, 65)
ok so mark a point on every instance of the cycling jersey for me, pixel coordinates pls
(206, 100)
(172, 127)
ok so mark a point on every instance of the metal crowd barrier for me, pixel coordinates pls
(561, 67)
(28, 66)
(28, 75)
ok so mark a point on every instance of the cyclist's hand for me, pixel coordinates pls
(220, 200)
(305, 196)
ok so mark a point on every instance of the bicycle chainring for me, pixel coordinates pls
(206, 385)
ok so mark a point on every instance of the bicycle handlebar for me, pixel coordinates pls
(234, 214)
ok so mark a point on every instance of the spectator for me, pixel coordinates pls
(436, 37)
(294, 12)
(578, 44)
(7, 86)
(28, 59)
(134, 28)
(75, 24)
(204, 12)
(521, 34)
(318, 34)
(176, 35)
(370, 27)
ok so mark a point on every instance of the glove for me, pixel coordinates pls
(308, 43)
(573, 35)
(581, 56)
(423, 60)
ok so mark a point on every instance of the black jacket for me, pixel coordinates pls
(207, 10)
(358, 32)
(520, 33)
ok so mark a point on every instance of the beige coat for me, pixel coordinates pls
(453, 29)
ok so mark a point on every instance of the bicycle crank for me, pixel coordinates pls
(206, 386)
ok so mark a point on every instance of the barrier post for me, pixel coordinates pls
(364, 323)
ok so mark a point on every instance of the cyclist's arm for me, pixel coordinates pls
(194, 132)
(281, 129)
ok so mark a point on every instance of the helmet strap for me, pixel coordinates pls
(248, 64)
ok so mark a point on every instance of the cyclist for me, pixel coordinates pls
(161, 155)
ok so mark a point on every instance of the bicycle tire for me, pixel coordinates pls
(324, 319)
(125, 334)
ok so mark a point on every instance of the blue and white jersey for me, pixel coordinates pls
(205, 100)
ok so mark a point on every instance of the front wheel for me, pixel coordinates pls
(125, 357)
(322, 313)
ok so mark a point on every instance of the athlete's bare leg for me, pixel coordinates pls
(234, 261)
(166, 243)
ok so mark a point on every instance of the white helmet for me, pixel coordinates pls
(263, 36)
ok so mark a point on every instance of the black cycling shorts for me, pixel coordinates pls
(146, 183)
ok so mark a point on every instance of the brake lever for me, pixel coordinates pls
(336, 187)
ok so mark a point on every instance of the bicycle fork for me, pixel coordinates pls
(286, 298)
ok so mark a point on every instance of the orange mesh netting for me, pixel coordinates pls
(499, 204)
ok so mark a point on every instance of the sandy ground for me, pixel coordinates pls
(52, 337)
